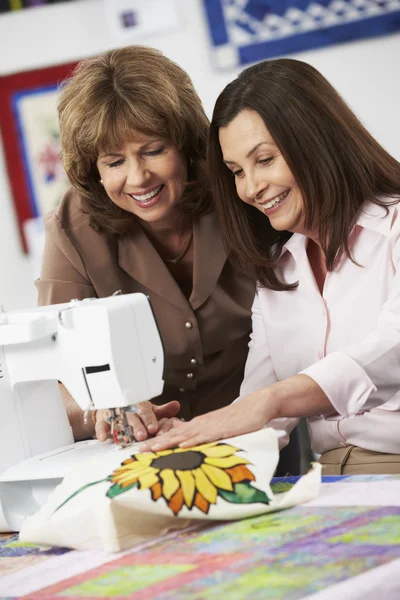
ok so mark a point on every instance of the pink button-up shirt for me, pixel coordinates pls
(347, 339)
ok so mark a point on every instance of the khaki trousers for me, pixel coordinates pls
(352, 460)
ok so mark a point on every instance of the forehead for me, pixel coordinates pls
(244, 131)
(132, 138)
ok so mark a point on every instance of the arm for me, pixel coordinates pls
(80, 429)
(366, 374)
(63, 277)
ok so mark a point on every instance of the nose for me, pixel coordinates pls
(137, 175)
(255, 186)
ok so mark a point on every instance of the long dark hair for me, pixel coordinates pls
(336, 163)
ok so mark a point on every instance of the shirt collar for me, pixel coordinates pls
(376, 217)
(372, 216)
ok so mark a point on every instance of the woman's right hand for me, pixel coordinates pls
(146, 422)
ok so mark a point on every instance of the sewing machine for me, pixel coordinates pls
(107, 353)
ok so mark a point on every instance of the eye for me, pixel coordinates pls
(266, 161)
(154, 152)
(238, 172)
(116, 163)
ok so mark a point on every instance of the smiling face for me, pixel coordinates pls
(262, 177)
(145, 177)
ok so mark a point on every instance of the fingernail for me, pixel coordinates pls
(151, 427)
(156, 447)
(140, 434)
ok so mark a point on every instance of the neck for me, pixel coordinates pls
(176, 224)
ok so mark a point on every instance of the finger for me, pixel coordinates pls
(102, 430)
(148, 417)
(166, 425)
(138, 428)
(195, 440)
(168, 410)
(169, 440)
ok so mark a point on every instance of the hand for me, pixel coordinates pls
(145, 422)
(249, 414)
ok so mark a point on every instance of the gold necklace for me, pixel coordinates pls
(183, 253)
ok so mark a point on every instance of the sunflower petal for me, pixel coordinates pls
(220, 451)
(205, 487)
(164, 453)
(146, 455)
(203, 447)
(144, 459)
(240, 473)
(218, 477)
(188, 486)
(120, 475)
(170, 483)
(176, 502)
(128, 479)
(156, 491)
(201, 503)
(226, 462)
(147, 480)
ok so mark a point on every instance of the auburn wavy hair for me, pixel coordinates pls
(336, 163)
(105, 101)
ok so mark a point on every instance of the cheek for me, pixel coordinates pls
(241, 190)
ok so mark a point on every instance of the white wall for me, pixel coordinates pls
(364, 72)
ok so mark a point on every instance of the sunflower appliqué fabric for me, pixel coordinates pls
(194, 477)
(191, 477)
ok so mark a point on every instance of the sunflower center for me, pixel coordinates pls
(181, 461)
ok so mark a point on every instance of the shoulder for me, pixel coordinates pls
(68, 226)
(382, 217)
(69, 214)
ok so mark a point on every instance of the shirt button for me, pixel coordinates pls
(189, 375)
(193, 361)
(181, 389)
(188, 325)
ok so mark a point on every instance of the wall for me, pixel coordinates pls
(364, 72)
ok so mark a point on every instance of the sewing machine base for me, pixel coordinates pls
(25, 486)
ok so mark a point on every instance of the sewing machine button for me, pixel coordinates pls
(189, 375)
(188, 325)
(193, 361)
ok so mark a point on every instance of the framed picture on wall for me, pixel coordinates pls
(30, 136)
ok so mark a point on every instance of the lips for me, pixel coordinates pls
(276, 200)
(147, 197)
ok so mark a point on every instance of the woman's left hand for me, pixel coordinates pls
(249, 414)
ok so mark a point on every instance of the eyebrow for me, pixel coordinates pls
(119, 154)
(250, 152)
(109, 154)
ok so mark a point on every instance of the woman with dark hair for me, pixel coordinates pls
(308, 197)
(139, 218)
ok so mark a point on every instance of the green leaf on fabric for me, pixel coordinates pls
(281, 486)
(116, 489)
(78, 492)
(244, 493)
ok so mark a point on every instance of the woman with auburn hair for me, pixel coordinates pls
(139, 218)
(307, 196)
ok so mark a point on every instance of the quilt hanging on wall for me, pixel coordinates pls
(7, 5)
(30, 135)
(246, 31)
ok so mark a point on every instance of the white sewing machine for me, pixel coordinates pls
(108, 354)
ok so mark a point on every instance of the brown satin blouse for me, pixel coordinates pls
(205, 337)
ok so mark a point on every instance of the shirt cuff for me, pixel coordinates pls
(344, 382)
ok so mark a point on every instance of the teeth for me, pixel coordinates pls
(276, 200)
(147, 197)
